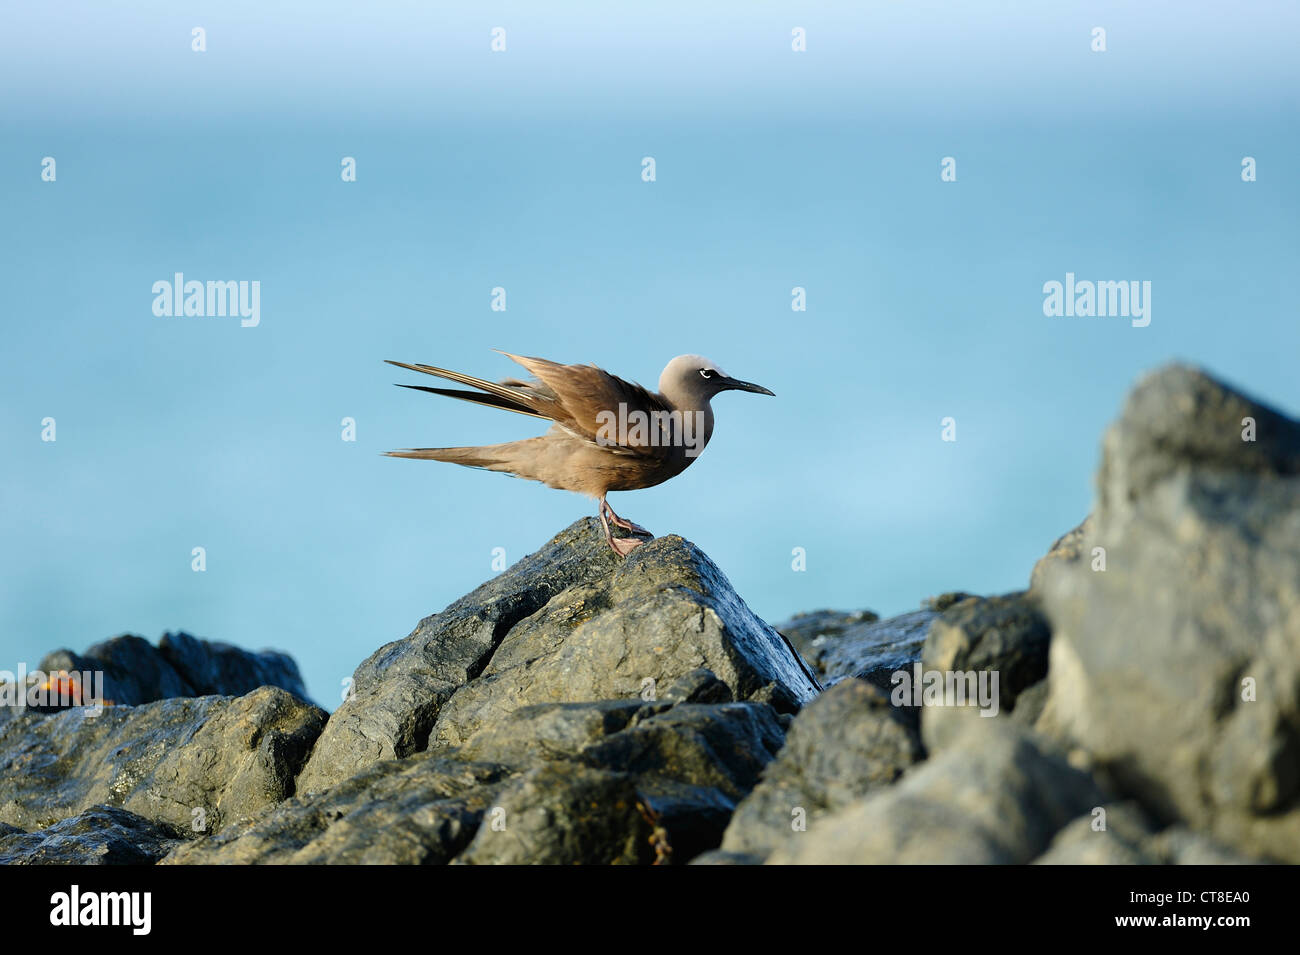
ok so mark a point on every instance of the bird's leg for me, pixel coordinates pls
(620, 545)
(623, 523)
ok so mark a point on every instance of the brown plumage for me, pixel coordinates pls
(594, 445)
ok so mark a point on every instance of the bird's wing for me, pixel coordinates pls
(586, 396)
(520, 397)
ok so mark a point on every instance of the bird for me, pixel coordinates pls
(606, 435)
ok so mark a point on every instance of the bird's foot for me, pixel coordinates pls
(624, 545)
(624, 523)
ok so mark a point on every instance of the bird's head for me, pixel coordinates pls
(693, 377)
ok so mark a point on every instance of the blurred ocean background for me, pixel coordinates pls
(522, 169)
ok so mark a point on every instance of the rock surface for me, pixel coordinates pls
(211, 758)
(571, 623)
(998, 799)
(582, 708)
(847, 743)
(1177, 667)
(101, 835)
(873, 650)
(135, 671)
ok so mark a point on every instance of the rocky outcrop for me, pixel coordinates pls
(870, 649)
(846, 744)
(999, 798)
(101, 835)
(135, 671)
(185, 762)
(583, 708)
(571, 623)
(1175, 653)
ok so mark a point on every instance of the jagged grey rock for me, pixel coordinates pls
(572, 623)
(414, 811)
(399, 689)
(102, 835)
(1177, 668)
(997, 798)
(809, 631)
(135, 671)
(845, 744)
(1008, 636)
(224, 757)
(873, 651)
(563, 815)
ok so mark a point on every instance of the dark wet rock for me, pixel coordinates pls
(997, 797)
(1177, 667)
(564, 815)
(212, 667)
(874, 651)
(135, 671)
(845, 744)
(213, 758)
(102, 835)
(692, 765)
(807, 631)
(572, 623)
(415, 811)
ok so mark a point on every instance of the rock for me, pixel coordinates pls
(845, 744)
(1153, 660)
(942, 602)
(414, 811)
(564, 815)
(226, 757)
(135, 671)
(217, 668)
(1123, 841)
(1006, 636)
(101, 835)
(723, 857)
(568, 625)
(1178, 845)
(1068, 548)
(692, 765)
(398, 691)
(549, 731)
(807, 631)
(873, 651)
(998, 797)
(701, 686)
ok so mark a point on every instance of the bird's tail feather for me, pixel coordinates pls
(488, 456)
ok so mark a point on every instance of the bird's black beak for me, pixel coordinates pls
(735, 384)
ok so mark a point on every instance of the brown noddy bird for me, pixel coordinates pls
(608, 434)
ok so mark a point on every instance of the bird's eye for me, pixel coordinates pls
(706, 373)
